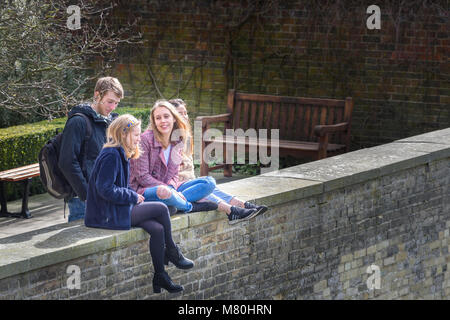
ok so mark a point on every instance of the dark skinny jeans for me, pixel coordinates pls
(154, 218)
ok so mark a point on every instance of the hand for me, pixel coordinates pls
(140, 198)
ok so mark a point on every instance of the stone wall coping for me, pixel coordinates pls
(65, 242)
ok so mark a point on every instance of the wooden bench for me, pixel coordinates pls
(308, 127)
(23, 174)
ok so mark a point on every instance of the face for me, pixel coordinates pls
(134, 137)
(107, 104)
(164, 120)
(183, 112)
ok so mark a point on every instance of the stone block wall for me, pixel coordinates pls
(386, 208)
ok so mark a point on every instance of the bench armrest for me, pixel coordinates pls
(206, 120)
(321, 130)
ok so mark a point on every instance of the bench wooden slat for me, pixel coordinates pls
(299, 122)
(323, 115)
(261, 112)
(268, 115)
(237, 115)
(283, 144)
(283, 121)
(22, 177)
(306, 122)
(253, 110)
(339, 117)
(296, 100)
(331, 116)
(9, 171)
(10, 176)
(276, 115)
(314, 122)
(19, 170)
(291, 118)
(244, 124)
(20, 173)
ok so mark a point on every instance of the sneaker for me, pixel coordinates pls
(240, 214)
(260, 209)
(203, 206)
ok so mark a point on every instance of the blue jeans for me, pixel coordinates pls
(77, 208)
(219, 195)
(192, 190)
(197, 189)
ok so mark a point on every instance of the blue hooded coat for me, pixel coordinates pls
(110, 199)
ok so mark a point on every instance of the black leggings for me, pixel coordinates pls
(154, 218)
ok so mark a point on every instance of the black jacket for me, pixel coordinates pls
(75, 165)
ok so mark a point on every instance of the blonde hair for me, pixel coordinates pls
(179, 127)
(106, 84)
(189, 147)
(117, 133)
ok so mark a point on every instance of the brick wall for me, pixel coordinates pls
(398, 75)
(330, 220)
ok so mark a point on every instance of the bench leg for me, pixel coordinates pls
(26, 190)
(204, 168)
(228, 170)
(25, 213)
(4, 210)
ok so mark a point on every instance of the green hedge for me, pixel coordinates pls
(20, 146)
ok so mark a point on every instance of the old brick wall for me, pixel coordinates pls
(196, 50)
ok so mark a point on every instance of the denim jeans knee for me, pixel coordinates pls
(211, 183)
(150, 194)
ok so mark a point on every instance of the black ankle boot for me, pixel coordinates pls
(175, 256)
(162, 280)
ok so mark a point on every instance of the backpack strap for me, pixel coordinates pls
(88, 135)
(88, 125)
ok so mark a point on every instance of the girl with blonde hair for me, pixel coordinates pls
(112, 204)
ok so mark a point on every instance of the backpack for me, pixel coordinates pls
(51, 176)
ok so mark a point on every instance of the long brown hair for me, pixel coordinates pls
(189, 147)
(180, 128)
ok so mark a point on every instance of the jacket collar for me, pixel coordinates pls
(90, 112)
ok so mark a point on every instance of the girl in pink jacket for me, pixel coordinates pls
(155, 173)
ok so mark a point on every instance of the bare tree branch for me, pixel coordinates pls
(45, 67)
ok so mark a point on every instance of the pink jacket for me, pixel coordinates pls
(150, 169)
